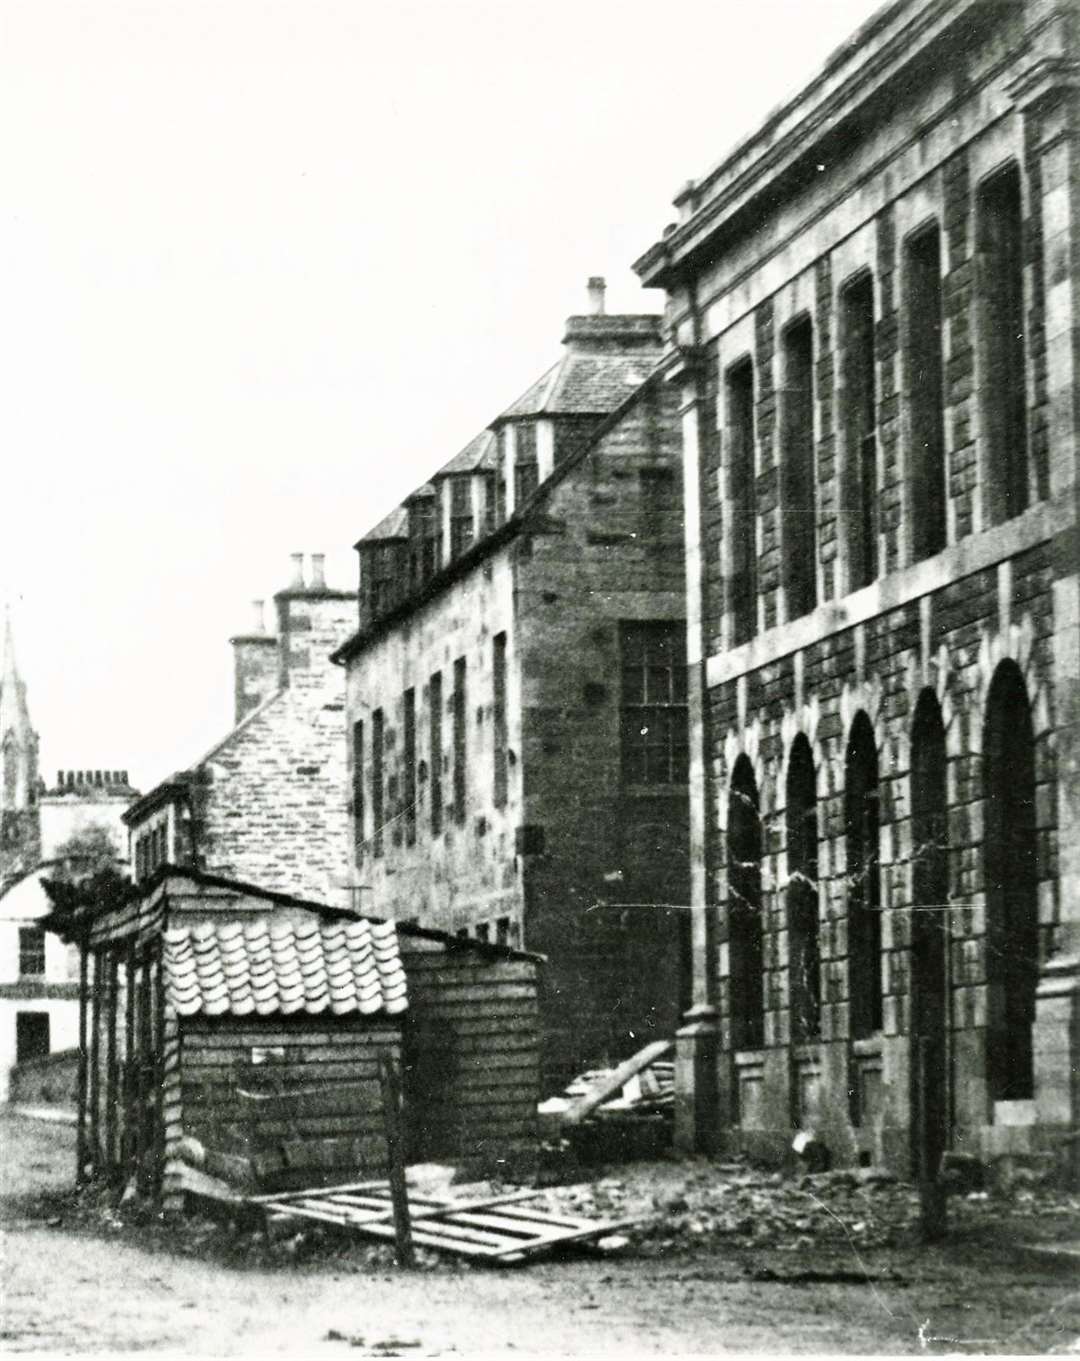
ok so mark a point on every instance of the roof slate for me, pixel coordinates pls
(269, 967)
(393, 526)
(476, 454)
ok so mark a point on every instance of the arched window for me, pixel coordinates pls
(1011, 872)
(929, 932)
(802, 892)
(862, 835)
(745, 933)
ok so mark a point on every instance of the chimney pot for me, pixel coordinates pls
(318, 571)
(298, 571)
(59, 779)
(258, 624)
(596, 289)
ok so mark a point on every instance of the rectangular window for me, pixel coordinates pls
(742, 502)
(461, 516)
(459, 740)
(925, 393)
(489, 502)
(409, 781)
(859, 427)
(435, 714)
(999, 218)
(526, 468)
(798, 527)
(655, 747)
(31, 951)
(498, 660)
(377, 782)
(358, 791)
(500, 477)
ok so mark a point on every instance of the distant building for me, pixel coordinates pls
(267, 803)
(874, 332)
(38, 973)
(516, 695)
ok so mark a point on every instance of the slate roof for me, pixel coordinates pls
(267, 967)
(393, 526)
(586, 384)
(475, 455)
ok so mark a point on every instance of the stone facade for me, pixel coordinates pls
(268, 803)
(492, 794)
(874, 336)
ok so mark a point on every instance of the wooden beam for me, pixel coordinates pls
(80, 1136)
(95, 1062)
(128, 1133)
(390, 1081)
(643, 1059)
(112, 1159)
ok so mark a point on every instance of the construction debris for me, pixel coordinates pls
(498, 1229)
(617, 1113)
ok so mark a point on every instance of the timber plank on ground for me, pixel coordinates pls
(503, 1230)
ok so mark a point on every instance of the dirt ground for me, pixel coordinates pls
(690, 1282)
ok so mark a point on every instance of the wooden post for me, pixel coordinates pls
(128, 1133)
(144, 1069)
(80, 1137)
(159, 1070)
(932, 1211)
(95, 1062)
(390, 1083)
(111, 1064)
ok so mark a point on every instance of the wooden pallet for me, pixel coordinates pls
(497, 1229)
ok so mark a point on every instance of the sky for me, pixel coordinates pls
(266, 264)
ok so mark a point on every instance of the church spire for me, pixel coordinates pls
(18, 740)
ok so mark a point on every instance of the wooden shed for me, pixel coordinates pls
(253, 1022)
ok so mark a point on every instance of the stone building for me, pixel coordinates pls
(516, 695)
(39, 988)
(267, 803)
(874, 335)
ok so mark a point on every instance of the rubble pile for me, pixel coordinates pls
(680, 1206)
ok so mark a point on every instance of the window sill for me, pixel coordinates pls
(869, 1047)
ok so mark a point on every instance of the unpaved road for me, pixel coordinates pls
(72, 1290)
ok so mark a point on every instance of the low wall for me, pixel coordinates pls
(48, 1081)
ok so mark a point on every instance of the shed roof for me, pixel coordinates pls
(279, 967)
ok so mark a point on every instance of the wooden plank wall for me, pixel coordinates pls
(472, 1054)
(325, 1119)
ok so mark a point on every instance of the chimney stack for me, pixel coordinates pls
(318, 571)
(298, 571)
(597, 288)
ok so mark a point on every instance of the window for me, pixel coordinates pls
(1010, 859)
(746, 950)
(798, 528)
(31, 951)
(32, 1040)
(498, 660)
(742, 502)
(489, 502)
(377, 782)
(802, 892)
(655, 748)
(461, 516)
(358, 791)
(435, 715)
(500, 477)
(862, 833)
(409, 782)
(925, 393)
(382, 561)
(460, 752)
(859, 426)
(526, 469)
(1002, 384)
